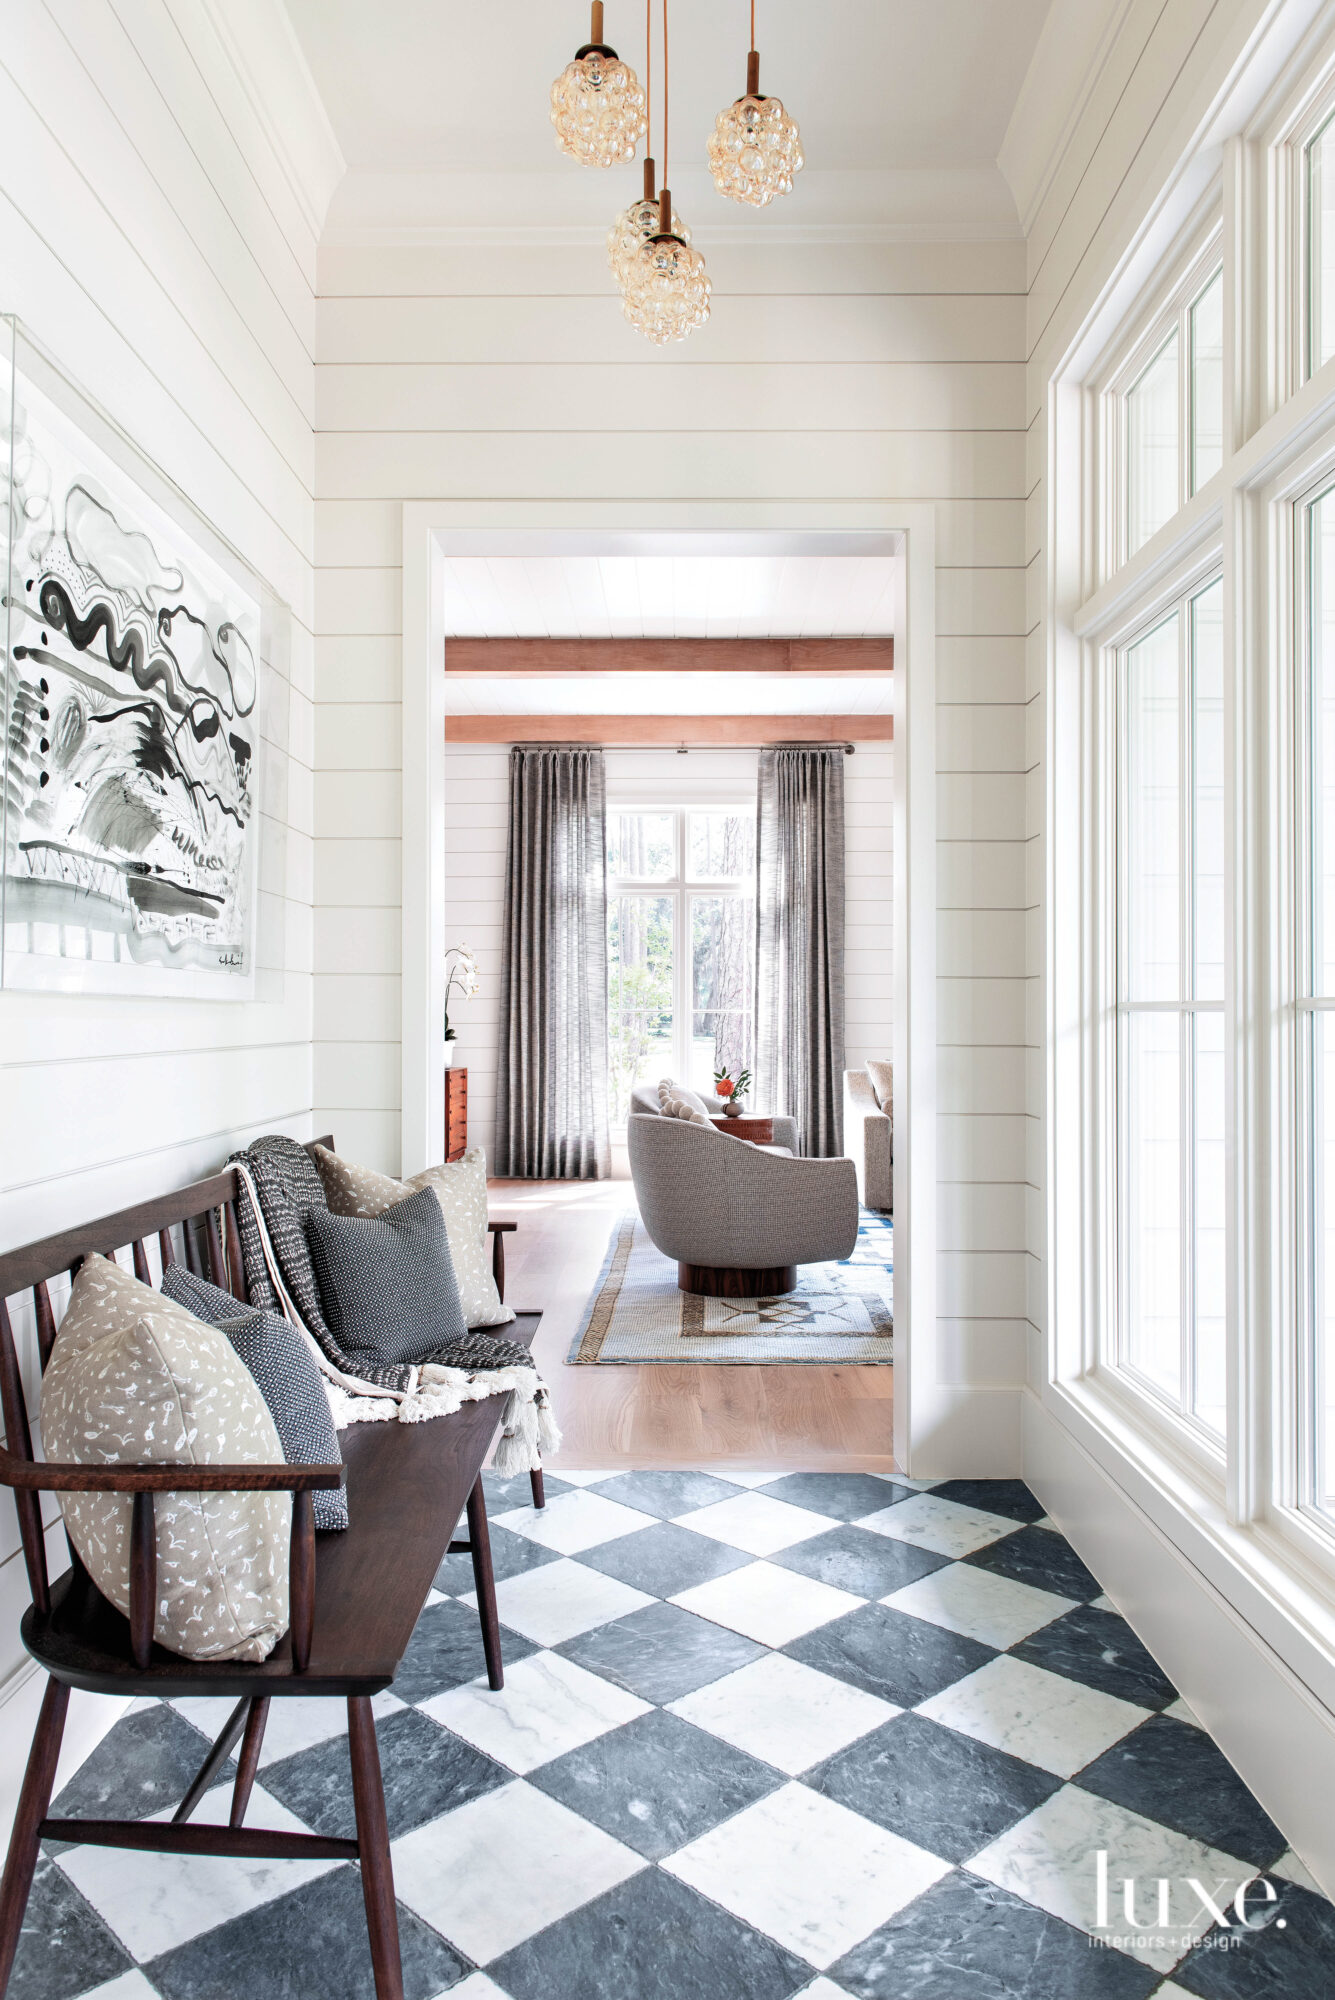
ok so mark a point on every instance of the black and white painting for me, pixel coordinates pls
(131, 690)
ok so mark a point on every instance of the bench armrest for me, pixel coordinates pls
(43, 1478)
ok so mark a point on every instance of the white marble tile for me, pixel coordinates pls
(822, 1989)
(561, 1600)
(812, 1875)
(155, 1901)
(1170, 1990)
(573, 1522)
(434, 1596)
(1292, 1868)
(292, 1725)
(1103, 1603)
(496, 1870)
(1182, 1713)
(749, 1475)
(477, 1986)
(756, 1522)
(1059, 1725)
(979, 1604)
(547, 1706)
(767, 1603)
(579, 1478)
(1044, 1522)
(943, 1526)
(1051, 1859)
(130, 1986)
(784, 1713)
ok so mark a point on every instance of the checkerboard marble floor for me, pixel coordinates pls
(822, 1735)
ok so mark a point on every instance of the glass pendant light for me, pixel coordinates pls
(665, 295)
(597, 103)
(755, 147)
(636, 224)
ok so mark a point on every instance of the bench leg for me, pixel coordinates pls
(479, 1542)
(25, 1842)
(249, 1761)
(368, 1794)
(535, 1481)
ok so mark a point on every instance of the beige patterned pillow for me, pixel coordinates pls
(882, 1076)
(460, 1186)
(135, 1379)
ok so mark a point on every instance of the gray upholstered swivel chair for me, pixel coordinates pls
(737, 1218)
(644, 1097)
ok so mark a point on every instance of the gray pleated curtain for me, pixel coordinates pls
(800, 942)
(551, 1091)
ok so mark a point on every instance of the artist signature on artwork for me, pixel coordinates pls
(231, 961)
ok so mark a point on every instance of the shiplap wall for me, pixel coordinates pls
(827, 372)
(150, 239)
(476, 789)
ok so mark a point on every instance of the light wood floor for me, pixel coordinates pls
(810, 1418)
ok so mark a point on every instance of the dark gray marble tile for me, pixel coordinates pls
(1040, 1557)
(657, 1782)
(843, 1496)
(855, 1559)
(309, 1945)
(446, 1650)
(661, 1652)
(143, 1763)
(1100, 1649)
(1010, 1497)
(665, 1559)
(501, 1494)
(511, 1555)
(943, 1791)
(650, 1939)
(64, 1947)
(1173, 1773)
(968, 1940)
(902, 1659)
(1290, 1955)
(426, 1772)
(666, 1494)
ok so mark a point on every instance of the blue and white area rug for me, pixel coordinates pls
(838, 1313)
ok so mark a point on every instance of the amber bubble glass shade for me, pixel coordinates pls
(755, 148)
(633, 229)
(598, 107)
(666, 295)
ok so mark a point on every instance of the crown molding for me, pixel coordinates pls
(1073, 47)
(261, 44)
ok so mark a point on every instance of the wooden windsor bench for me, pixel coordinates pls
(355, 1595)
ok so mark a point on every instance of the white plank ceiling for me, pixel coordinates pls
(668, 597)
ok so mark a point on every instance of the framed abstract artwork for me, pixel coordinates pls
(132, 687)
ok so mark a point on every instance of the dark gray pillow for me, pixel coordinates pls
(285, 1375)
(387, 1281)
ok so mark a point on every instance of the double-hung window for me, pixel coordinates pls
(681, 919)
(1169, 1335)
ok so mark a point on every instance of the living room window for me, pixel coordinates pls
(681, 924)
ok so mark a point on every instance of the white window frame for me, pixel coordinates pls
(1167, 310)
(1187, 1428)
(680, 886)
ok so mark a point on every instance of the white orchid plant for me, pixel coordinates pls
(461, 977)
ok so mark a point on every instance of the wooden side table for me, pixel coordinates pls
(760, 1131)
(456, 1113)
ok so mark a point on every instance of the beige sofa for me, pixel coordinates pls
(869, 1133)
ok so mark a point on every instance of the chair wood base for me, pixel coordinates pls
(732, 1281)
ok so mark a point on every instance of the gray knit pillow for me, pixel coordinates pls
(387, 1281)
(285, 1375)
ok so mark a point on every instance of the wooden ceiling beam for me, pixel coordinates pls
(669, 656)
(695, 731)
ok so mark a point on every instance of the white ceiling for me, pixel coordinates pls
(440, 107)
(668, 596)
(668, 694)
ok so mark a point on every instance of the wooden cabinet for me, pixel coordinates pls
(760, 1131)
(456, 1113)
